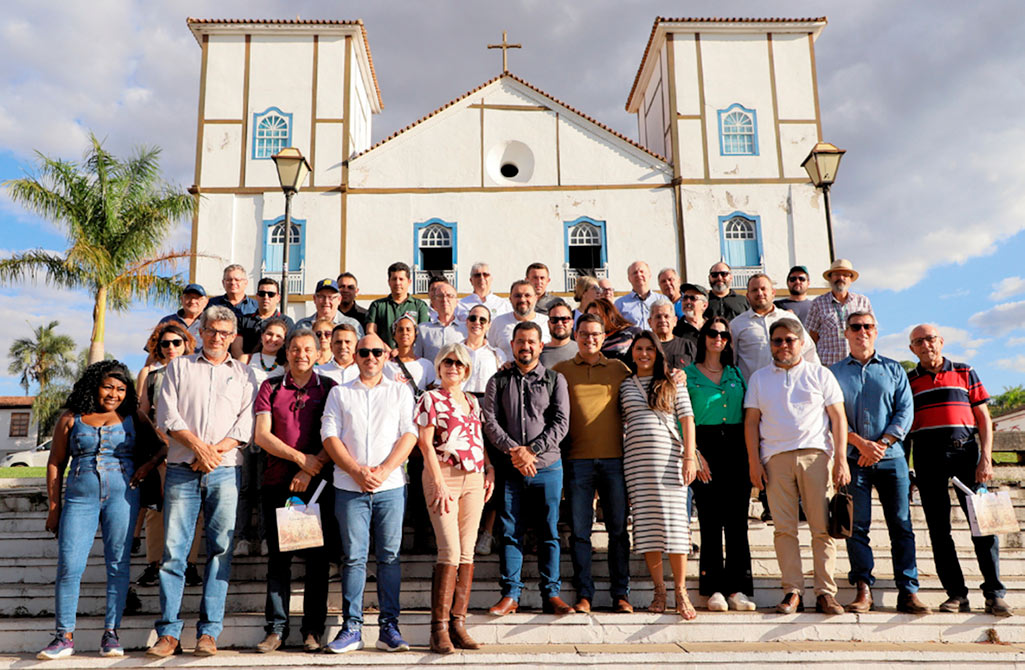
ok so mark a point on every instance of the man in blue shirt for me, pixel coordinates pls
(636, 305)
(880, 408)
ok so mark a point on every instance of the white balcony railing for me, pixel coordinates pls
(571, 275)
(742, 274)
(295, 277)
(421, 278)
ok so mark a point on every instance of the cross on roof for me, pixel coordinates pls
(505, 46)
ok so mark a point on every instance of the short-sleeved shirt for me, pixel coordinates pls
(827, 316)
(793, 404)
(245, 306)
(179, 318)
(551, 355)
(337, 319)
(637, 309)
(798, 307)
(728, 306)
(458, 440)
(716, 404)
(495, 304)
(750, 331)
(502, 327)
(295, 420)
(595, 425)
(421, 370)
(679, 352)
(944, 402)
(383, 312)
(250, 327)
(434, 335)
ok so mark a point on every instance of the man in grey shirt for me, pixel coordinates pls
(526, 415)
(560, 326)
(206, 408)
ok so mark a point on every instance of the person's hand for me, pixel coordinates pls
(870, 452)
(53, 519)
(758, 476)
(378, 474)
(300, 482)
(489, 483)
(441, 499)
(311, 465)
(704, 473)
(984, 470)
(690, 470)
(524, 460)
(677, 376)
(141, 473)
(364, 478)
(207, 457)
(841, 472)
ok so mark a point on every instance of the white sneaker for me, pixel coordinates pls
(484, 541)
(740, 602)
(717, 603)
(242, 548)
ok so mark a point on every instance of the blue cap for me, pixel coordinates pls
(326, 283)
(194, 288)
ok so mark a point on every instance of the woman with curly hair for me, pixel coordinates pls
(659, 464)
(113, 447)
(619, 332)
(168, 340)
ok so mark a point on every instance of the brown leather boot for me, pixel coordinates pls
(460, 603)
(863, 601)
(442, 588)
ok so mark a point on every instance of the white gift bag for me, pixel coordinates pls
(299, 525)
(989, 513)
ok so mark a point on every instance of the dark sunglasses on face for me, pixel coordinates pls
(481, 274)
(473, 318)
(780, 341)
(323, 334)
(266, 294)
(856, 327)
(560, 319)
(718, 274)
(364, 352)
(451, 362)
(165, 344)
(718, 334)
(791, 280)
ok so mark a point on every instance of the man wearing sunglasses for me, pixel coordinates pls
(877, 399)
(368, 430)
(560, 328)
(268, 297)
(480, 279)
(797, 288)
(750, 329)
(722, 300)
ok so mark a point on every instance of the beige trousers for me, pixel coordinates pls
(456, 530)
(801, 475)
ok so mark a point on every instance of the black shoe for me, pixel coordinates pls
(136, 546)
(132, 603)
(150, 576)
(955, 604)
(192, 577)
(998, 607)
(766, 515)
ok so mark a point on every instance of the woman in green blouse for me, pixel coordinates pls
(722, 490)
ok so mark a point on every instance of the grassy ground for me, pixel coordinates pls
(22, 472)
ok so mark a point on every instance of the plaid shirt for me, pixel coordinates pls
(827, 317)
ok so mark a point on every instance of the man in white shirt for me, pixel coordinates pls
(636, 305)
(480, 279)
(368, 430)
(750, 329)
(523, 297)
(443, 328)
(342, 367)
(794, 423)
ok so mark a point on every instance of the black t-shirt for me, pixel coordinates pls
(679, 352)
(251, 327)
(356, 312)
(728, 306)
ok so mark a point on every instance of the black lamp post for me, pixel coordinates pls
(292, 172)
(821, 165)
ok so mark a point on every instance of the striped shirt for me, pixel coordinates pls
(827, 316)
(944, 402)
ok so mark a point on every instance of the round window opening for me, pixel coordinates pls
(510, 162)
(509, 170)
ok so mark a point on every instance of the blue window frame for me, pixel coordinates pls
(435, 245)
(585, 243)
(740, 238)
(738, 131)
(272, 132)
(273, 244)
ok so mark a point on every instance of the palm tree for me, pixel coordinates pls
(41, 358)
(116, 215)
(46, 408)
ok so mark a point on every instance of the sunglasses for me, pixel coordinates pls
(719, 274)
(266, 294)
(481, 274)
(560, 319)
(789, 341)
(364, 352)
(451, 362)
(473, 318)
(791, 280)
(323, 334)
(718, 334)
(857, 327)
(166, 344)
(692, 297)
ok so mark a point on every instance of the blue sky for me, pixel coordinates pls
(929, 200)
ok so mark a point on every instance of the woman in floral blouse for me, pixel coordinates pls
(457, 480)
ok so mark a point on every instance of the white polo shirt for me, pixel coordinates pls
(793, 405)
(369, 421)
(500, 335)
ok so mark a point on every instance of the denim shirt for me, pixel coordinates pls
(878, 401)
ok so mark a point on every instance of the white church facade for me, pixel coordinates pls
(508, 173)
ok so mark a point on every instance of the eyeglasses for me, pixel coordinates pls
(718, 334)
(791, 280)
(919, 341)
(223, 334)
(322, 334)
(266, 294)
(560, 319)
(724, 273)
(473, 318)
(364, 352)
(856, 327)
(481, 274)
(452, 362)
(789, 341)
(691, 297)
(446, 296)
(585, 335)
(606, 290)
(167, 344)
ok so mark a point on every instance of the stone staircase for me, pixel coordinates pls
(28, 563)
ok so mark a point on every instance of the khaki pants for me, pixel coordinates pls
(155, 530)
(801, 475)
(456, 531)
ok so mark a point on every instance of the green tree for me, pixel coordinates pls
(50, 399)
(41, 358)
(1011, 399)
(908, 365)
(116, 215)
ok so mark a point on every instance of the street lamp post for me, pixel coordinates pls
(821, 166)
(292, 171)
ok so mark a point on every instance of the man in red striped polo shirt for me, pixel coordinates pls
(952, 436)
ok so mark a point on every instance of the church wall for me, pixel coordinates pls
(330, 73)
(796, 141)
(221, 154)
(586, 159)
(225, 77)
(360, 113)
(794, 84)
(535, 133)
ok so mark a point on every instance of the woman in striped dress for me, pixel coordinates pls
(658, 466)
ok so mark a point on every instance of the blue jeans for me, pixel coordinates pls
(186, 491)
(540, 493)
(96, 493)
(358, 515)
(935, 464)
(891, 479)
(584, 477)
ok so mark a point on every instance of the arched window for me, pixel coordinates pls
(273, 248)
(435, 236)
(738, 133)
(740, 236)
(585, 246)
(272, 132)
(435, 252)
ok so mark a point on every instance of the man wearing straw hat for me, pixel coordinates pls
(828, 313)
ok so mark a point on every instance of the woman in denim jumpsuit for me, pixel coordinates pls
(99, 430)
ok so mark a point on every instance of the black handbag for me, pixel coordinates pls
(841, 514)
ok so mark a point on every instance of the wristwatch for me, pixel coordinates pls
(887, 441)
(535, 448)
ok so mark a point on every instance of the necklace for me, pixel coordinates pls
(709, 368)
(264, 365)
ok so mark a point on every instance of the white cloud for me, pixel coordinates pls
(959, 293)
(958, 343)
(1001, 319)
(1015, 341)
(1008, 287)
(1017, 363)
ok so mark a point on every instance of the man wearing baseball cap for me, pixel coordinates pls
(827, 316)
(325, 300)
(193, 303)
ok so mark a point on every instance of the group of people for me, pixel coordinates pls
(481, 415)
